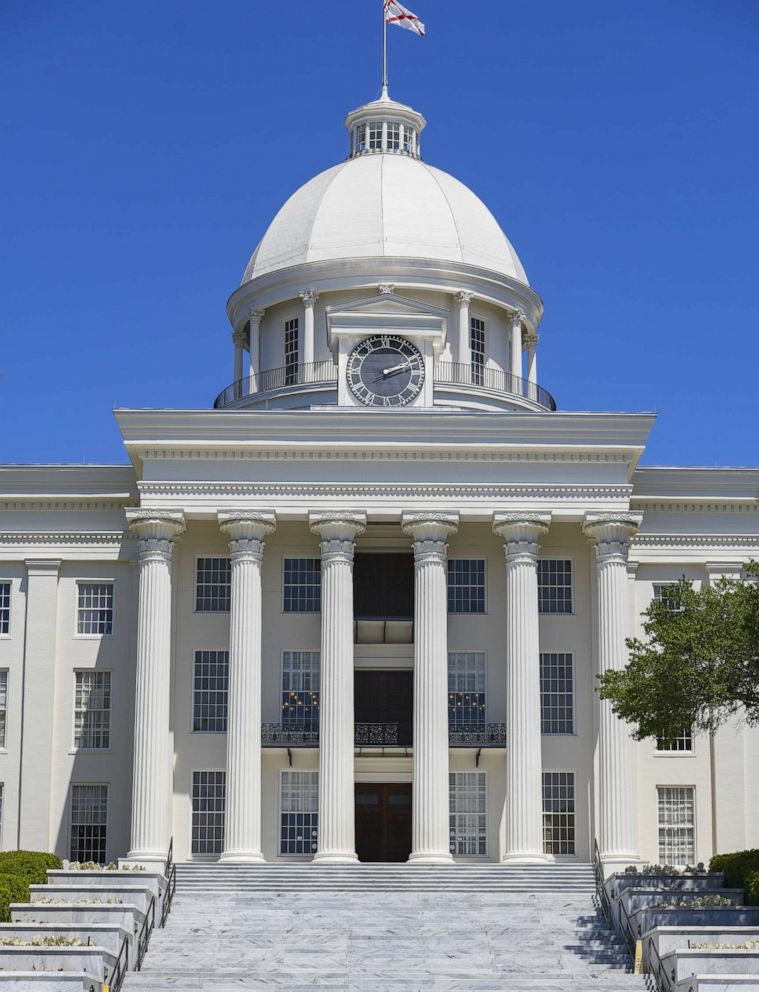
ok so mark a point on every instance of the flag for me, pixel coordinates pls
(396, 13)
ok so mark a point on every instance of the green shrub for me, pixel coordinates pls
(736, 866)
(751, 888)
(29, 865)
(13, 888)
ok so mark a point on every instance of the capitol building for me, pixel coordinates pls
(354, 607)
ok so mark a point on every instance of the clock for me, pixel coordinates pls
(385, 370)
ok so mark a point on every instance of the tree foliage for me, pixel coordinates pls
(698, 663)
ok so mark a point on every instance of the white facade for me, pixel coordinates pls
(396, 556)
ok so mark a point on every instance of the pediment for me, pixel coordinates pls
(389, 303)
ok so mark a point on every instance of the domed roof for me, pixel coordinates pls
(384, 205)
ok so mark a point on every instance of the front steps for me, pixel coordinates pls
(385, 928)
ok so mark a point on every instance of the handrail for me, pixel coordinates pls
(307, 374)
(120, 968)
(170, 871)
(148, 924)
(662, 979)
(601, 892)
(628, 931)
(461, 374)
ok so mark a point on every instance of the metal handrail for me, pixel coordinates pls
(383, 734)
(307, 374)
(477, 734)
(170, 872)
(601, 892)
(143, 939)
(120, 968)
(461, 374)
(662, 979)
(627, 929)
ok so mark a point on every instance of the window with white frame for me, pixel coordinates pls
(208, 799)
(89, 823)
(677, 824)
(3, 706)
(682, 742)
(477, 349)
(360, 138)
(408, 138)
(5, 607)
(467, 796)
(466, 585)
(213, 584)
(668, 594)
(393, 137)
(559, 812)
(291, 352)
(299, 813)
(375, 137)
(300, 689)
(556, 693)
(210, 689)
(467, 678)
(554, 585)
(94, 613)
(92, 710)
(302, 580)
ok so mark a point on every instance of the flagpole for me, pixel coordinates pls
(385, 93)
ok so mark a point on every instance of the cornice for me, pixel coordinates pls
(696, 506)
(379, 455)
(701, 541)
(18, 538)
(40, 503)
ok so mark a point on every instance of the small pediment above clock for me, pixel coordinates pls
(386, 313)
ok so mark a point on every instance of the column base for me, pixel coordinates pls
(430, 858)
(524, 858)
(612, 863)
(152, 860)
(335, 858)
(242, 858)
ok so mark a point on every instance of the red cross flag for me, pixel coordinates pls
(396, 13)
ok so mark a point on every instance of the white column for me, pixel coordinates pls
(524, 766)
(152, 783)
(517, 317)
(430, 842)
(531, 340)
(617, 834)
(242, 818)
(465, 352)
(256, 316)
(238, 338)
(309, 299)
(337, 834)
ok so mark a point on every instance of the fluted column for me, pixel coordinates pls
(152, 774)
(611, 534)
(309, 299)
(463, 299)
(242, 816)
(524, 788)
(337, 833)
(517, 317)
(254, 346)
(430, 843)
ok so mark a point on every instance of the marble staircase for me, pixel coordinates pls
(385, 928)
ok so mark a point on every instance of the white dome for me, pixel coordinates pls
(384, 206)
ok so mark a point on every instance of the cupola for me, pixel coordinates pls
(384, 127)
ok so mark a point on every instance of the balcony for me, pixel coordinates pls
(480, 735)
(480, 378)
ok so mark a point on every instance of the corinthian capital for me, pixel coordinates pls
(518, 317)
(239, 338)
(247, 530)
(521, 533)
(612, 534)
(256, 316)
(309, 297)
(156, 530)
(530, 340)
(337, 530)
(464, 298)
(430, 532)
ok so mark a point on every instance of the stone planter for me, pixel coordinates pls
(670, 938)
(649, 917)
(96, 963)
(105, 935)
(681, 965)
(131, 895)
(45, 981)
(154, 881)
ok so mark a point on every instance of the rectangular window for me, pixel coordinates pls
(299, 813)
(466, 585)
(360, 139)
(677, 824)
(210, 688)
(554, 585)
(393, 137)
(92, 710)
(559, 812)
(3, 706)
(467, 795)
(666, 592)
(95, 608)
(213, 580)
(5, 607)
(291, 352)
(302, 585)
(300, 689)
(681, 742)
(208, 794)
(375, 137)
(477, 349)
(89, 821)
(556, 693)
(466, 689)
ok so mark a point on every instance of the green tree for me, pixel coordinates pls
(698, 664)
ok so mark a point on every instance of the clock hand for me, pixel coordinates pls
(397, 368)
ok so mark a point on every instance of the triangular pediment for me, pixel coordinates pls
(388, 303)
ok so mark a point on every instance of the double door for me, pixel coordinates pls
(383, 821)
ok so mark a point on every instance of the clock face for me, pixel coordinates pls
(386, 371)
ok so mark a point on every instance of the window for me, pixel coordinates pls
(303, 585)
(299, 823)
(89, 816)
(213, 582)
(375, 137)
(95, 608)
(556, 693)
(477, 348)
(291, 352)
(92, 710)
(208, 795)
(466, 688)
(554, 585)
(467, 795)
(210, 688)
(559, 812)
(466, 585)
(3, 706)
(677, 824)
(393, 137)
(408, 137)
(300, 689)
(5, 607)
(681, 742)
(359, 139)
(667, 593)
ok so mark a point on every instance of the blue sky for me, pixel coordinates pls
(147, 145)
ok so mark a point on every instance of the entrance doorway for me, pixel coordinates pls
(383, 821)
(384, 706)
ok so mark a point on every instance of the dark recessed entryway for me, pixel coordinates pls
(384, 706)
(383, 821)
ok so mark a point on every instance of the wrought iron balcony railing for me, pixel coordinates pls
(477, 735)
(458, 374)
(311, 374)
(384, 735)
